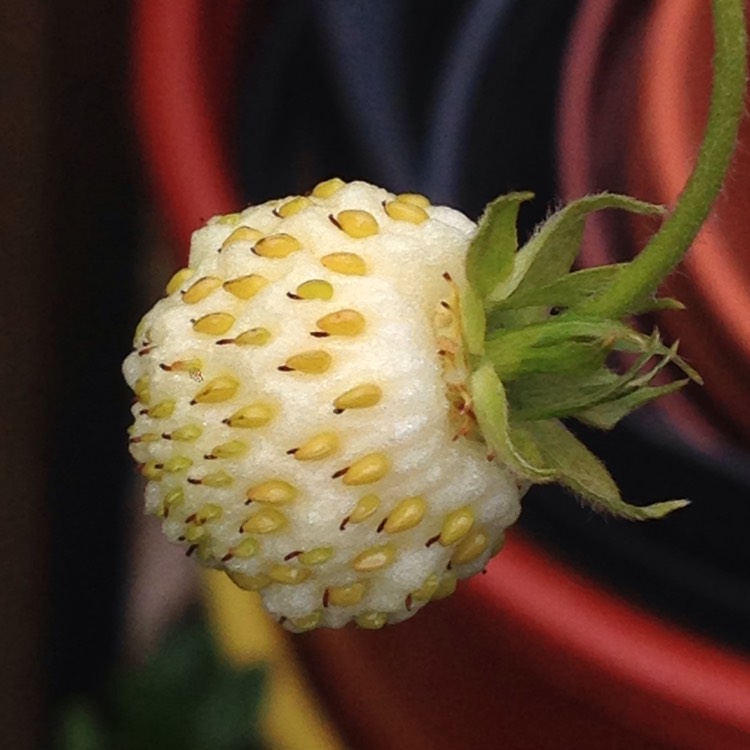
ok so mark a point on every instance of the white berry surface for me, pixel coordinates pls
(300, 413)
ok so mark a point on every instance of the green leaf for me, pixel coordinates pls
(570, 292)
(550, 253)
(555, 396)
(586, 395)
(606, 415)
(556, 345)
(170, 702)
(586, 476)
(566, 291)
(473, 322)
(80, 728)
(490, 257)
(223, 718)
(491, 410)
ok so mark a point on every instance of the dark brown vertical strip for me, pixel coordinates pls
(25, 280)
(94, 226)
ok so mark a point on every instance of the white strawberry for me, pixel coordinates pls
(322, 411)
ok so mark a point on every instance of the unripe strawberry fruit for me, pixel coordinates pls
(302, 414)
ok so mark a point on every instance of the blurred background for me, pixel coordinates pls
(126, 126)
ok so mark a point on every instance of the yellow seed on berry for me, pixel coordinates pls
(217, 390)
(289, 574)
(272, 492)
(153, 470)
(217, 479)
(146, 437)
(229, 219)
(374, 558)
(359, 397)
(186, 434)
(162, 410)
(241, 234)
(346, 596)
(231, 449)
(319, 447)
(342, 323)
(177, 464)
(456, 526)
(314, 289)
(364, 508)
(348, 264)
(406, 515)
(172, 499)
(293, 206)
(445, 587)
(200, 290)
(246, 548)
(179, 278)
(316, 556)
(245, 287)
(253, 337)
(214, 324)
(208, 512)
(366, 470)
(414, 199)
(248, 582)
(265, 521)
(470, 548)
(183, 365)
(277, 246)
(194, 533)
(401, 211)
(327, 188)
(371, 620)
(426, 591)
(251, 416)
(356, 223)
(313, 362)
(307, 622)
(142, 389)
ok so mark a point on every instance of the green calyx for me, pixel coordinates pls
(539, 336)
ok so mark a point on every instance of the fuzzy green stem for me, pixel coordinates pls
(667, 247)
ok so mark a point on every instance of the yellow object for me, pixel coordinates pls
(217, 390)
(291, 718)
(349, 264)
(359, 397)
(415, 199)
(214, 323)
(293, 206)
(406, 515)
(313, 362)
(178, 279)
(273, 492)
(403, 211)
(277, 246)
(245, 287)
(242, 234)
(314, 289)
(327, 188)
(318, 447)
(470, 548)
(356, 223)
(366, 470)
(200, 290)
(253, 337)
(342, 323)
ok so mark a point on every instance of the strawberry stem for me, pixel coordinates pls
(640, 279)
